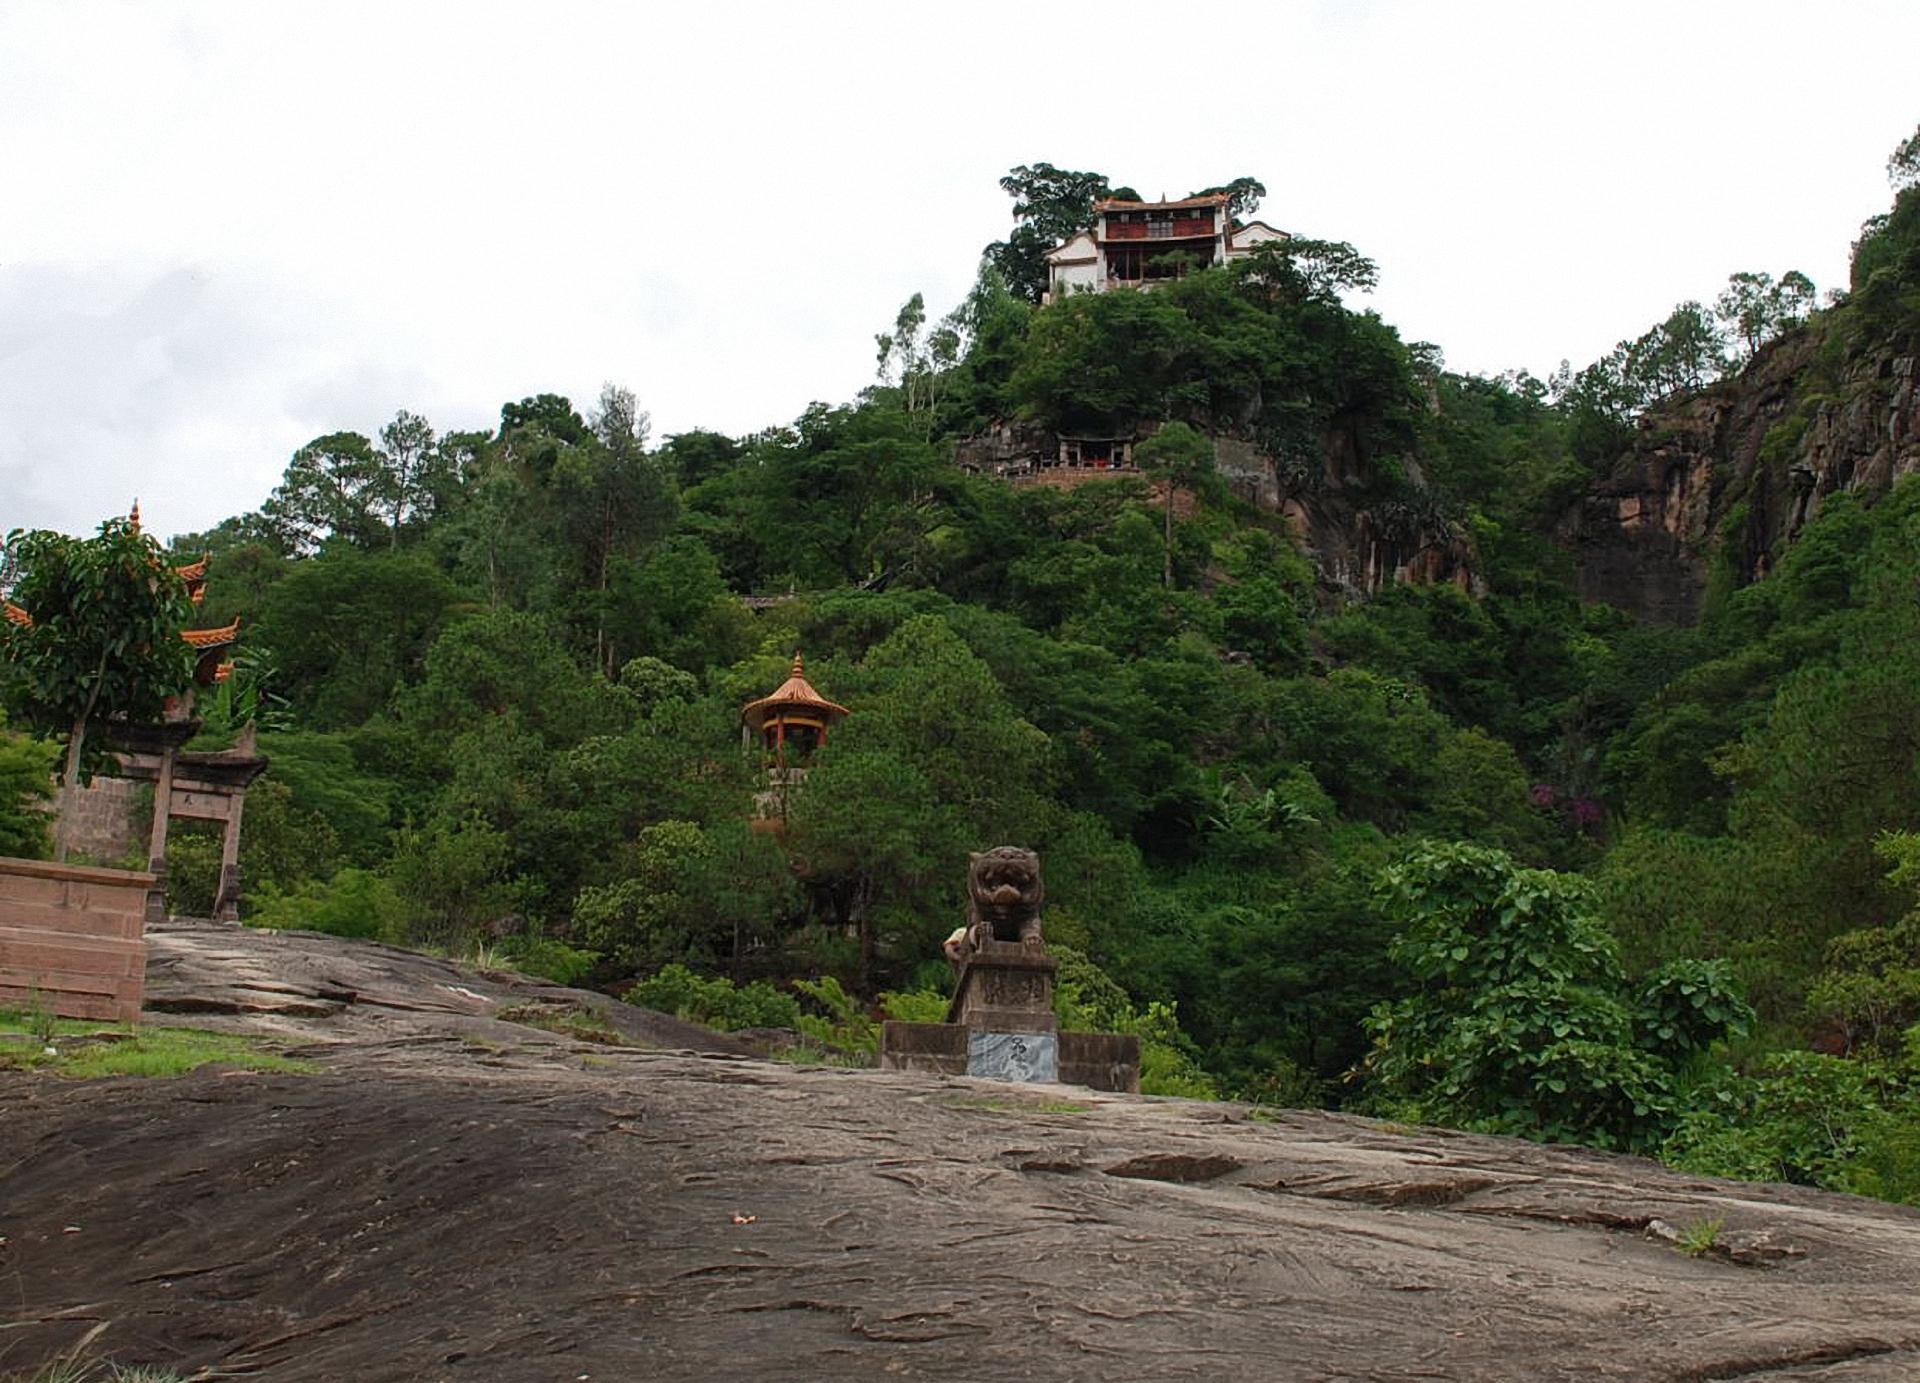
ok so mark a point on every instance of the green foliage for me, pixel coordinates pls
(1700, 1237)
(1274, 967)
(715, 1001)
(1869, 991)
(1781, 761)
(1755, 308)
(843, 1024)
(1684, 352)
(346, 627)
(343, 488)
(1523, 1022)
(1808, 1118)
(327, 490)
(500, 664)
(843, 497)
(453, 878)
(26, 778)
(673, 606)
(916, 1006)
(1885, 273)
(642, 920)
(1688, 1005)
(547, 957)
(354, 902)
(104, 640)
(1385, 756)
(1263, 346)
(346, 808)
(1085, 999)
(1181, 458)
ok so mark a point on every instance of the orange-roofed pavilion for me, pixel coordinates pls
(793, 721)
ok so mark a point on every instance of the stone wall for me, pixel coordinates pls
(72, 939)
(1097, 1060)
(110, 817)
(1072, 477)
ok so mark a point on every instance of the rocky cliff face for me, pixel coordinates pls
(1732, 474)
(1359, 546)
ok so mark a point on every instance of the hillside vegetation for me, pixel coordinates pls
(1469, 851)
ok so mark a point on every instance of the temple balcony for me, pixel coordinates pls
(1182, 228)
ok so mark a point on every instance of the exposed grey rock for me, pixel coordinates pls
(451, 1196)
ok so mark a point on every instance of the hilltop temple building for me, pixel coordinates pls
(1134, 244)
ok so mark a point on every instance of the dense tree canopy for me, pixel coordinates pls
(1440, 841)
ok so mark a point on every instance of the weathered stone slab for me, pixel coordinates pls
(646, 1213)
(935, 1049)
(1101, 1061)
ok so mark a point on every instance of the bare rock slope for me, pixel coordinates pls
(451, 1196)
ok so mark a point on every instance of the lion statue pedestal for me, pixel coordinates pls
(1006, 988)
(1001, 1023)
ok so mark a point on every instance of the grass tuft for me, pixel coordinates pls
(1699, 1238)
(90, 1051)
(578, 1021)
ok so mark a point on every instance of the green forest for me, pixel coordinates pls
(1462, 852)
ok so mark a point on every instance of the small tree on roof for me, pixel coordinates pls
(92, 632)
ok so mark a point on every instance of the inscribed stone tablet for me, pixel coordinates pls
(1021, 1056)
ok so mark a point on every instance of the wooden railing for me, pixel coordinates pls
(1185, 228)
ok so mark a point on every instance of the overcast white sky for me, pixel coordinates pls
(226, 229)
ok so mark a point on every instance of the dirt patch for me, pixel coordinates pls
(453, 1197)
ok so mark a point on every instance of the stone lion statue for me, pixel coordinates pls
(1004, 893)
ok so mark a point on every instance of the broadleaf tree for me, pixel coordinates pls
(101, 639)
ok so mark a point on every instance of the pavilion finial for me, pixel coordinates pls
(134, 517)
(797, 671)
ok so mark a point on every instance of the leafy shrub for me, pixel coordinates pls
(916, 1006)
(26, 769)
(1086, 999)
(845, 1026)
(354, 902)
(1806, 1118)
(455, 877)
(1524, 1022)
(1688, 1005)
(715, 1001)
(645, 917)
(548, 958)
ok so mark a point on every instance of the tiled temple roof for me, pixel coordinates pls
(796, 693)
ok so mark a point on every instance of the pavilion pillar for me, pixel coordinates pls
(157, 837)
(226, 907)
